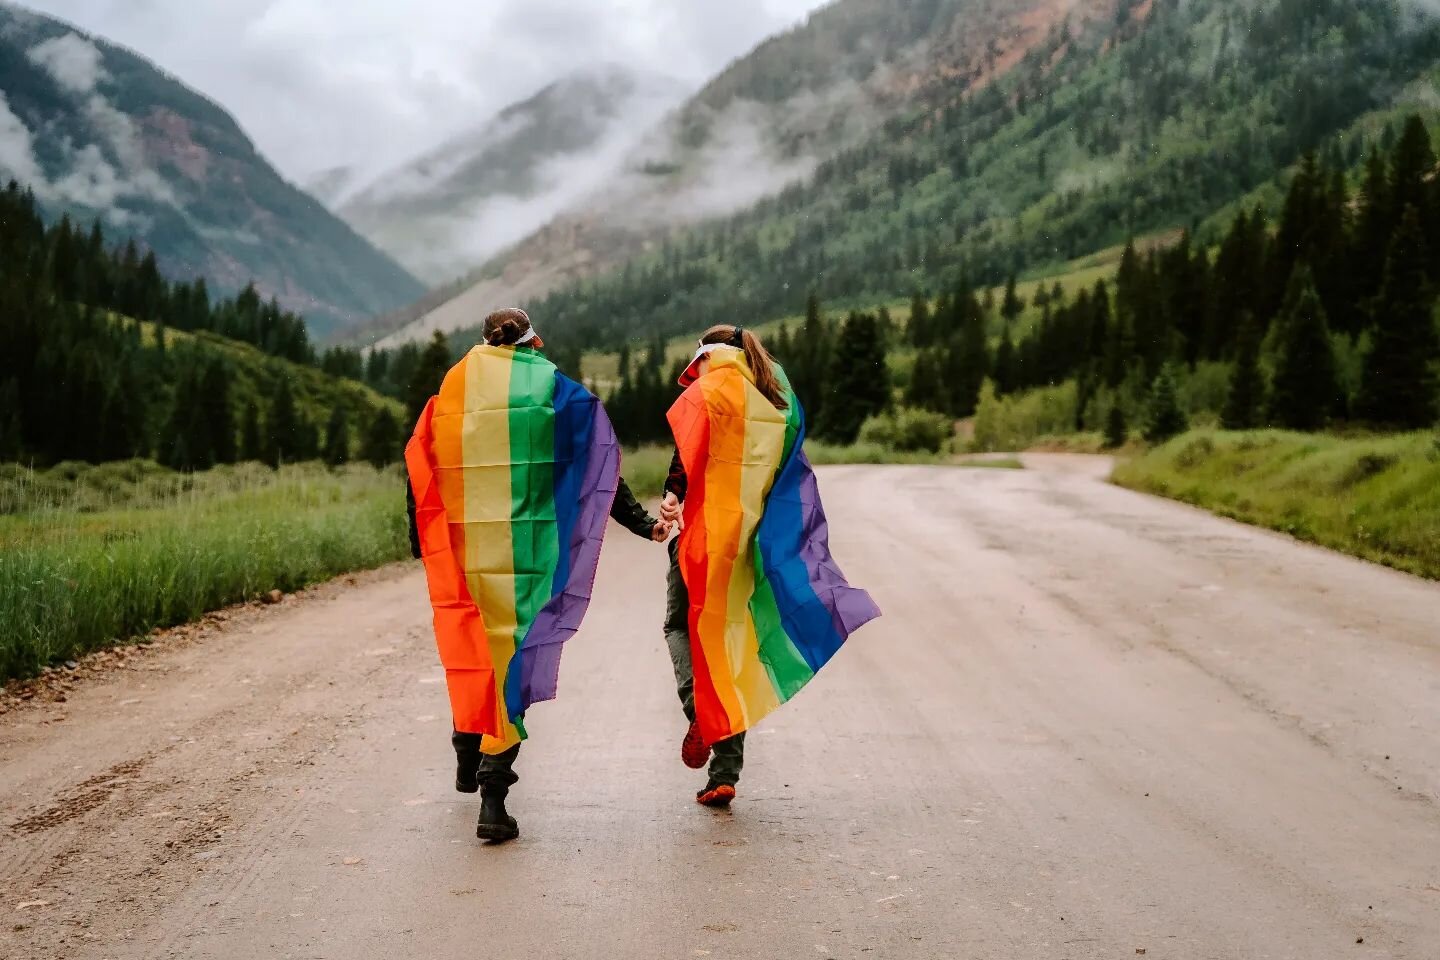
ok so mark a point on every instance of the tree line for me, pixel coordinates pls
(91, 370)
(1325, 315)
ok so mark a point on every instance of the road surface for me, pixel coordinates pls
(1091, 724)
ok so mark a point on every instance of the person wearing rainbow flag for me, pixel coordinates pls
(513, 470)
(756, 604)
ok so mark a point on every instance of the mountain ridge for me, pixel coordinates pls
(96, 130)
(764, 122)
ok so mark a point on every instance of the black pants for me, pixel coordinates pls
(497, 771)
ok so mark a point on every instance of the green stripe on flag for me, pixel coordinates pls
(532, 485)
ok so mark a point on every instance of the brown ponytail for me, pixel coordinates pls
(762, 365)
(504, 328)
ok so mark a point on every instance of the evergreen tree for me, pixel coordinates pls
(927, 385)
(918, 329)
(252, 444)
(1005, 379)
(969, 358)
(1306, 389)
(1245, 400)
(1164, 417)
(859, 380)
(429, 373)
(337, 436)
(1117, 431)
(1398, 388)
(216, 411)
(1012, 306)
(382, 440)
(282, 434)
(11, 441)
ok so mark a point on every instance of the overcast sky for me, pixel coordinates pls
(322, 83)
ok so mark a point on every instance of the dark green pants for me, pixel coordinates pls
(728, 756)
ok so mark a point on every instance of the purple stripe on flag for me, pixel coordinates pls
(598, 474)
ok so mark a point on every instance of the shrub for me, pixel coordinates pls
(909, 430)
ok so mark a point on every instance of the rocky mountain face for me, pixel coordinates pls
(95, 131)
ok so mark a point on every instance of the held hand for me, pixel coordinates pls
(661, 532)
(670, 508)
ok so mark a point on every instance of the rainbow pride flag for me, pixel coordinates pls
(514, 468)
(768, 604)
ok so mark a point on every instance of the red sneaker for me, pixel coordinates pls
(716, 795)
(693, 750)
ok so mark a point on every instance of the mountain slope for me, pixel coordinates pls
(764, 123)
(1151, 119)
(96, 131)
(484, 189)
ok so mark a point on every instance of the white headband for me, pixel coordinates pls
(706, 349)
(529, 335)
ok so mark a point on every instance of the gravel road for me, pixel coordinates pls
(1091, 724)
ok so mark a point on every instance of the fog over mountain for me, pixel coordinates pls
(450, 208)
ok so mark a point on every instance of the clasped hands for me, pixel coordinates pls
(670, 510)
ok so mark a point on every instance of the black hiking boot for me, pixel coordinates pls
(467, 773)
(467, 761)
(495, 825)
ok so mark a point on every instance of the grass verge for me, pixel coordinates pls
(1376, 498)
(82, 574)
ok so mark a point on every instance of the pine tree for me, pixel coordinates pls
(1012, 306)
(429, 374)
(1245, 400)
(1117, 431)
(918, 329)
(1398, 388)
(927, 386)
(382, 439)
(282, 434)
(1164, 417)
(252, 444)
(1306, 390)
(1005, 380)
(337, 436)
(216, 411)
(968, 364)
(859, 380)
(11, 441)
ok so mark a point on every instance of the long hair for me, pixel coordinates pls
(762, 365)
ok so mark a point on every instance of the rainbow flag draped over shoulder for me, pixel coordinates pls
(768, 604)
(514, 468)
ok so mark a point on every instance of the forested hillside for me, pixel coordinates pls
(1171, 112)
(103, 359)
(96, 131)
(765, 122)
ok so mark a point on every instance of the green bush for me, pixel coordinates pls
(909, 430)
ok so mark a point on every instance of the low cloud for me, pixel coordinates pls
(100, 173)
(73, 61)
(17, 147)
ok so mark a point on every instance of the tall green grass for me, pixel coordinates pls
(1377, 498)
(81, 569)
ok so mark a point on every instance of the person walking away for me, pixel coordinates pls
(512, 469)
(756, 604)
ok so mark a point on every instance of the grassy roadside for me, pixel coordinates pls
(111, 553)
(1376, 498)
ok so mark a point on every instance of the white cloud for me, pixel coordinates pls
(72, 60)
(319, 84)
(17, 151)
